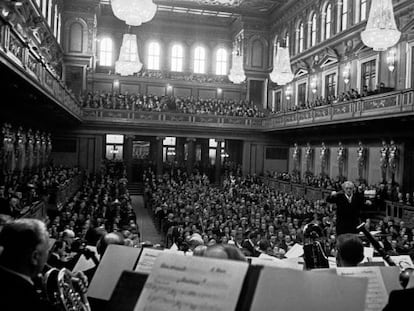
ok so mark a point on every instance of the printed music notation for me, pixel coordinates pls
(179, 283)
(377, 295)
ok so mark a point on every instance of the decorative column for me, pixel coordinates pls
(191, 154)
(180, 151)
(128, 155)
(159, 162)
(217, 175)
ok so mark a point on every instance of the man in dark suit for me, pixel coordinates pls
(250, 245)
(348, 205)
(25, 245)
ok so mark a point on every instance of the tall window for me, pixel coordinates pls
(330, 85)
(114, 147)
(212, 145)
(300, 32)
(177, 58)
(199, 60)
(312, 30)
(360, 10)
(49, 13)
(368, 74)
(59, 27)
(168, 149)
(328, 21)
(221, 62)
(55, 22)
(154, 55)
(344, 15)
(302, 95)
(44, 8)
(105, 52)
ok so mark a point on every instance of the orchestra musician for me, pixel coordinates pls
(25, 245)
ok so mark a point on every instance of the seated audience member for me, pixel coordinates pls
(250, 244)
(25, 245)
(224, 251)
(350, 250)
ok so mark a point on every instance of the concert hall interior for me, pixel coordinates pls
(206, 155)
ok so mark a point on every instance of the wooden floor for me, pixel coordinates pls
(144, 221)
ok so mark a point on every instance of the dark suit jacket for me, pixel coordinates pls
(17, 294)
(249, 247)
(347, 214)
(400, 300)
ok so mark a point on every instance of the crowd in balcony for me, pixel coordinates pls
(353, 94)
(186, 105)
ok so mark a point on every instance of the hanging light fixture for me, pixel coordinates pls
(237, 75)
(134, 12)
(347, 73)
(128, 62)
(391, 58)
(314, 85)
(282, 72)
(381, 31)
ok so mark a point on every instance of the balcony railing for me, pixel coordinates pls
(16, 50)
(169, 118)
(383, 105)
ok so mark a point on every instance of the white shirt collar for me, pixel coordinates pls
(25, 277)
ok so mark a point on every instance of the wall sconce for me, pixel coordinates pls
(219, 91)
(116, 84)
(391, 57)
(347, 73)
(314, 85)
(288, 92)
(169, 87)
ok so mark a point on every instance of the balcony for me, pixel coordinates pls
(379, 106)
(167, 119)
(18, 54)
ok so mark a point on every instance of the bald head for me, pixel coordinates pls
(109, 238)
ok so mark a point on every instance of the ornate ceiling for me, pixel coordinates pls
(244, 7)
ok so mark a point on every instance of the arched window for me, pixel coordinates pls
(199, 60)
(343, 17)
(177, 57)
(154, 55)
(221, 62)
(106, 52)
(300, 33)
(327, 21)
(312, 30)
(360, 10)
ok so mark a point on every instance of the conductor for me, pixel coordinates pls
(348, 205)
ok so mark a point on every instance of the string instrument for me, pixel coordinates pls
(313, 253)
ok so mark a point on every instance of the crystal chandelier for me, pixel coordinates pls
(237, 75)
(128, 62)
(134, 12)
(381, 31)
(282, 72)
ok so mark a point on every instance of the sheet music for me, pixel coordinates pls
(179, 283)
(147, 259)
(403, 261)
(295, 252)
(290, 290)
(377, 295)
(83, 263)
